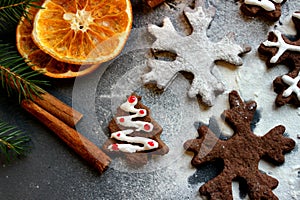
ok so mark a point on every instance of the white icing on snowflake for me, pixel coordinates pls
(265, 4)
(293, 83)
(147, 143)
(126, 121)
(282, 46)
(195, 53)
(297, 15)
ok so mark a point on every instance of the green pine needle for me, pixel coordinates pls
(11, 11)
(16, 75)
(13, 142)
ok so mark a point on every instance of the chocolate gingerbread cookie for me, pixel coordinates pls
(270, 9)
(134, 134)
(240, 154)
(280, 49)
(154, 3)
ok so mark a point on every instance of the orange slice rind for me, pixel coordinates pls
(39, 60)
(82, 31)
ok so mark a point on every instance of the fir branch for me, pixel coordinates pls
(11, 11)
(16, 75)
(13, 142)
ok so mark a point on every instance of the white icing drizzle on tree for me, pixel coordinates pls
(147, 143)
(293, 83)
(126, 121)
(297, 15)
(282, 46)
(265, 4)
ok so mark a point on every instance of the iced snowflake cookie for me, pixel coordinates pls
(240, 154)
(270, 9)
(134, 134)
(279, 49)
(195, 53)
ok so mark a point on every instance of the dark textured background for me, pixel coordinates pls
(53, 171)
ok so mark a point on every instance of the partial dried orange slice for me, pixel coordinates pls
(83, 31)
(39, 60)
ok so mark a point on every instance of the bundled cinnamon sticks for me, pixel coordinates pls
(80, 144)
(61, 119)
(57, 108)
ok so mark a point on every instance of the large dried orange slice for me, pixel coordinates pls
(39, 60)
(83, 31)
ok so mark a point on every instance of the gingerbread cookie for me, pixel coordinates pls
(288, 88)
(279, 49)
(207, 82)
(270, 9)
(240, 154)
(154, 3)
(134, 134)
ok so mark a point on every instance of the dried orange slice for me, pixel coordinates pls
(83, 31)
(39, 60)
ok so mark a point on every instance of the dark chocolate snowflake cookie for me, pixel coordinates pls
(240, 154)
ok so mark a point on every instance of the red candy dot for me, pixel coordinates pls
(147, 127)
(131, 99)
(122, 120)
(142, 112)
(151, 143)
(115, 147)
(118, 135)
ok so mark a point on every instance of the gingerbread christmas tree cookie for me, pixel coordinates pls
(240, 154)
(270, 9)
(134, 134)
(279, 49)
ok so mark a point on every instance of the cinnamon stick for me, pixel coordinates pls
(57, 108)
(51, 104)
(80, 144)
